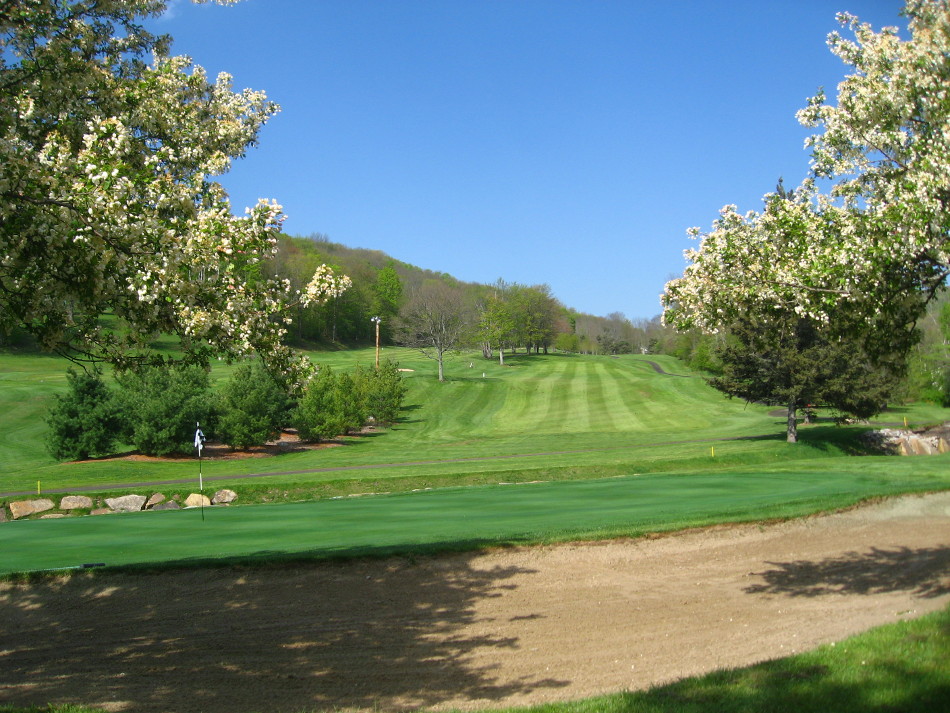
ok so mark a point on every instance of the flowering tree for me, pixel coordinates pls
(872, 252)
(107, 198)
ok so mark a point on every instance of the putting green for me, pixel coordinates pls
(463, 517)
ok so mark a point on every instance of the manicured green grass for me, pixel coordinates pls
(899, 667)
(542, 413)
(454, 518)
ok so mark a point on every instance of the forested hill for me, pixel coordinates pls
(383, 285)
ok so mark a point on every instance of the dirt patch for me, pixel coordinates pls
(289, 442)
(494, 629)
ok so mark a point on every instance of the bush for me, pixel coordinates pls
(323, 411)
(85, 421)
(161, 406)
(381, 391)
(252, 408)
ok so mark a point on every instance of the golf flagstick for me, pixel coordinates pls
(199, 443)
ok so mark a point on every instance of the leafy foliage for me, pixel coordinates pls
(252, 408)
(85, 421)
(106, 200)
(162, 405)
(867, 257)
(325, 410)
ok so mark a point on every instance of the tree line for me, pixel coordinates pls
(157, 409)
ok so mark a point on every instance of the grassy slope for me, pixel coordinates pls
(625, 449)
(605, 411)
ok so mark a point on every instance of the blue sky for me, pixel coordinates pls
(567, 142)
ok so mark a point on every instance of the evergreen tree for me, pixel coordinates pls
(85, 421)
(783, 359)
(252, 408)
(162, 405)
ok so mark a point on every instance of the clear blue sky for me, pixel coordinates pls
(567, 142)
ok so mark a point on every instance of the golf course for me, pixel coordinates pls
(621, 496)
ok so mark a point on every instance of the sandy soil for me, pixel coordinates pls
(479, 630)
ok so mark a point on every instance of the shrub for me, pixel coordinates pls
(161, 406)
(322, 412)
(381, 391)
(85, 421)
(252, 408)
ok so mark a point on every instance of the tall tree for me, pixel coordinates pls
(107, 198)
(435, 320)
(869, 256)
(496, 320)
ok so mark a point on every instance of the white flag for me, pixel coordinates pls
(199, 440)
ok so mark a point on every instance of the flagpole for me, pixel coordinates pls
(199, 442)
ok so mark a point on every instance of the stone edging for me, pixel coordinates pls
(70, 505)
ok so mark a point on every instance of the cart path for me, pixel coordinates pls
(479, 630)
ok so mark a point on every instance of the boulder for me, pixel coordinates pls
(196, 500)
(102, 511)
(126, 503)
(154, 500)
(224, 497)
(53, 516)
(23, 508)
(170, 505)
(3, 514)
(71, 502)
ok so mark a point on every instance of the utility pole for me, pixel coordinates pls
(377, 321)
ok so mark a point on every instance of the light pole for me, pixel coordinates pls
(377, 321)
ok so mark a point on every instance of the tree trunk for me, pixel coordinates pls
(441, 371)
(501, 356)
(792, 429)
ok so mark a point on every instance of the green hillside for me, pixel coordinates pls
(537, 417)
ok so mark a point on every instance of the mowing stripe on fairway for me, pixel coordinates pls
(452, 517)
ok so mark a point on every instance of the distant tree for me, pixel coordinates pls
(535, 312)
(387, 299)
(161, 406)
(929, 368)
(85, 420)
(496, 321)
(252, 408)
(435, 321)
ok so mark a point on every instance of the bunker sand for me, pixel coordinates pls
(502, 628)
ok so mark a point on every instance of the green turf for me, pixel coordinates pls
(465, 517)
(550, 411)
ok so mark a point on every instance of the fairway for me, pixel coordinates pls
(590, 406)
